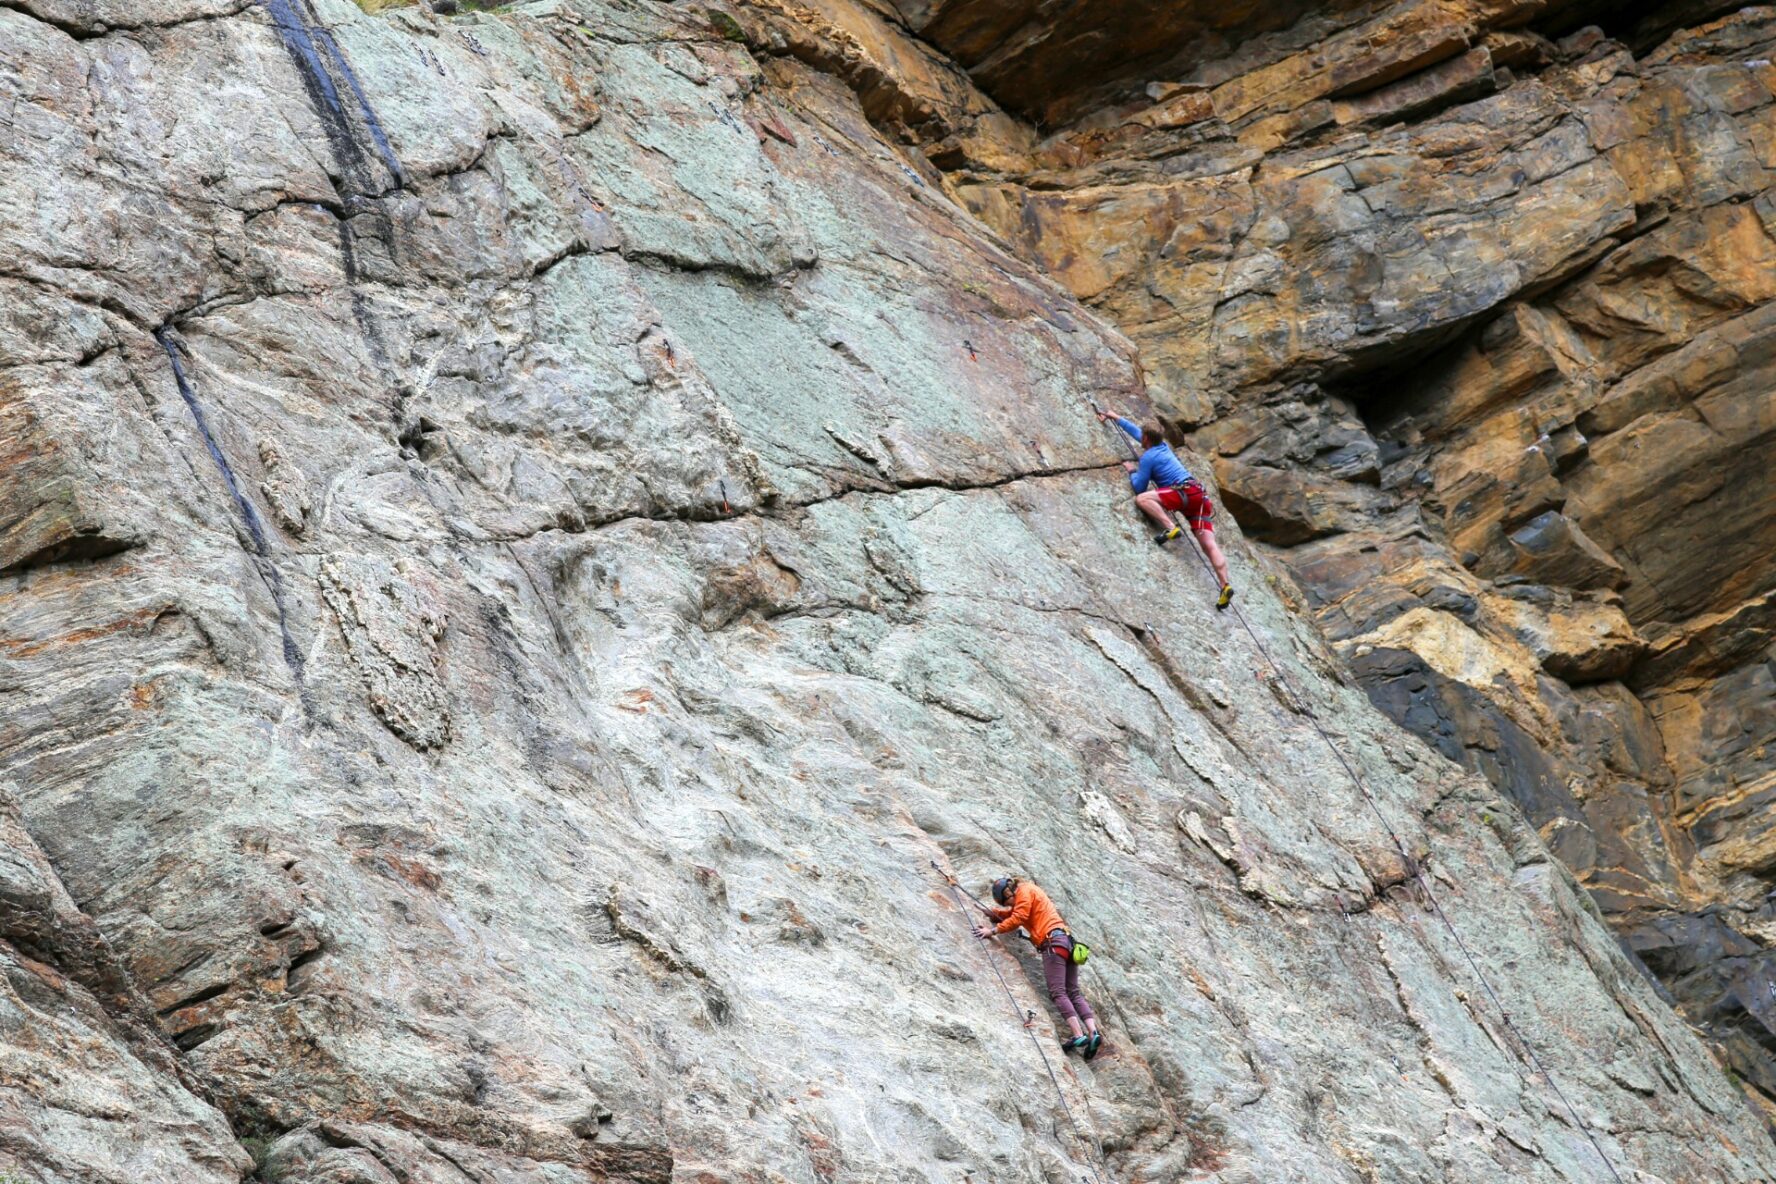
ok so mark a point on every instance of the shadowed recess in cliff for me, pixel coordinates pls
(260, 548)
(1053, 63)
(1639, 26)
(306, 39)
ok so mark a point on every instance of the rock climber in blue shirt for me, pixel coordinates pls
(1175, 492)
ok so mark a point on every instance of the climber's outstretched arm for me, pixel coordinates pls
(1129, 426)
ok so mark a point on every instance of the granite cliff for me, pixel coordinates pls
(1468, 302)
(525, 535)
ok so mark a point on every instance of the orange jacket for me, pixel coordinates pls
(1031, 908)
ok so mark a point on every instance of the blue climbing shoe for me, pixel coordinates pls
(1076, 1044)
(1092, 1044)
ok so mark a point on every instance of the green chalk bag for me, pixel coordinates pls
(1070, 947)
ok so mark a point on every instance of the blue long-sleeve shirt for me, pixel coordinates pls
(1159, 464)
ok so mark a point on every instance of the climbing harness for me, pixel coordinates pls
(1027, 1019)
(1414, 871)
(1069, 947)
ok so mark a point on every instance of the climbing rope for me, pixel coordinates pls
(1299, 705)
(1096, 1152)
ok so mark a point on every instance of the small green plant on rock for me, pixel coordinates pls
(254, 1145)
(726, 25)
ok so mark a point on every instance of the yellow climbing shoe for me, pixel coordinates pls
(1226, 597)
(1168, 536)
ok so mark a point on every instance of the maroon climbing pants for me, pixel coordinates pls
(1062, 974)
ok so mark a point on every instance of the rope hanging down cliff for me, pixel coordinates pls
(1299, 705)
(1096, 1154)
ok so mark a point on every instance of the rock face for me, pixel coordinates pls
(92, 1090)
(1468, 308)
(532, 532)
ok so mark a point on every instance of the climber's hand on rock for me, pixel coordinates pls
(1128, 466)
(983, 932)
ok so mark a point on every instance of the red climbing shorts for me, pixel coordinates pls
(1192, 502)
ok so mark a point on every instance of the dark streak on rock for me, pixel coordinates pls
(257, 547)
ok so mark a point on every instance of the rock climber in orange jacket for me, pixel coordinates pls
(1027, 906)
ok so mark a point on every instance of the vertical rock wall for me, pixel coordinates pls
(533, 531)
(1466, 304)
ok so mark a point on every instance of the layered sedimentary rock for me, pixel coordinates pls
(1466, 307)
(530, 535)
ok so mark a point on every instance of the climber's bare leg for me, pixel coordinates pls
(1218, 561)
(1149, 504)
